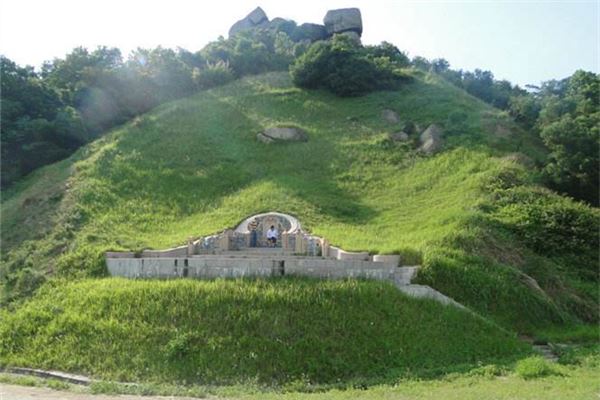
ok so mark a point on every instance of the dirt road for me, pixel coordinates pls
(13, 392)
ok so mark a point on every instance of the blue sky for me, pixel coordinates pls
(522, 41)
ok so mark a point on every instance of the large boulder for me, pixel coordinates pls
(256, 18)
(312, 32)
(399, 136)
(390, 116)
(282, 133)
(343, 20)
(431, 139)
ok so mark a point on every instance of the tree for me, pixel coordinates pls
(344, 67)
(574, 145)
(37, 128)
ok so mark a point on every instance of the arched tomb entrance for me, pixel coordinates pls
(256, 227)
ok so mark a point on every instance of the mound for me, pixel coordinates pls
(238, 331)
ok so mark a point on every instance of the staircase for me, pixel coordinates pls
(256, 252)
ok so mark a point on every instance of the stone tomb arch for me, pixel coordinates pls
(259, 225)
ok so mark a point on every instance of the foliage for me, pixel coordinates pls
(345, 68)
(214, 75)
(536, 367)
(37, 127)
(568, 124)
(48, 115)
(564, 113)
(550, 224)
(478, 83)
(252, 52)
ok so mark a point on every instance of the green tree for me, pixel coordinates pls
(344, 67)
(573, 166)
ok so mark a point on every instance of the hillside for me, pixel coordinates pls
(271, 331)
(469, 215)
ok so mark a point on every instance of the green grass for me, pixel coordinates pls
(227, 331)
(193, 167)
(536, 367)
(578, 380)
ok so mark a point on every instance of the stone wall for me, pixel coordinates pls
(237, 267)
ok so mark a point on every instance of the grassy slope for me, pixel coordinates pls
(193, 167)
(234, 331)
(575, 377)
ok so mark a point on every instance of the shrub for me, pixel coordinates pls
(344, 67)
(252, 52)
(535, 367)
(456, 122)
(487, 371)
(409, 128)
(214, 75)
(83, 262)
(550, 224)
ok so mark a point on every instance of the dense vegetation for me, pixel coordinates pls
(47, 115)
(245, 331)
(346, 68)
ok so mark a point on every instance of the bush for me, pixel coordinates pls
(252, 52)
(550, 224)
(456, 122)
(345, 68)
(409, 128)
(214, 75)
(83, 262)
(535, 367)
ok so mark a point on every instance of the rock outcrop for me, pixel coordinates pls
(285, 134)
(346, 21)
(343, 20)
(256, 19)
(399, 136)
(390, 116)
(312, 32)
(431, 139)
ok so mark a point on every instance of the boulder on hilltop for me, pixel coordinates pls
(343, 20)
(256, 18)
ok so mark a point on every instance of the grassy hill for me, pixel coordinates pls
(472, 215)
(234, 331)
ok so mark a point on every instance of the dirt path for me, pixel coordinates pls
(14, 392)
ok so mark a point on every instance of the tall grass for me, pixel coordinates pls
(229, 331)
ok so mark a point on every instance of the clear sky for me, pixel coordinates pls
(522, 41)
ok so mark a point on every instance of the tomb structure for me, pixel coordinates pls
(243, 251)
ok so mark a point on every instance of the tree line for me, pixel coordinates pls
(48, 114)
(564, 113)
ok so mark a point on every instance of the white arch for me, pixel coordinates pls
(294, 223)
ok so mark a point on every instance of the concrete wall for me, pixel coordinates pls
(339, 254)
(231, 267)
(218, 266)
(180, 251)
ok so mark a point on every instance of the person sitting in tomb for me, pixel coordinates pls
(272, 236)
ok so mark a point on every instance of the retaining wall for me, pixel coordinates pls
(229, 267)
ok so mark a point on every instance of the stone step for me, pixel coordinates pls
(266, 255)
